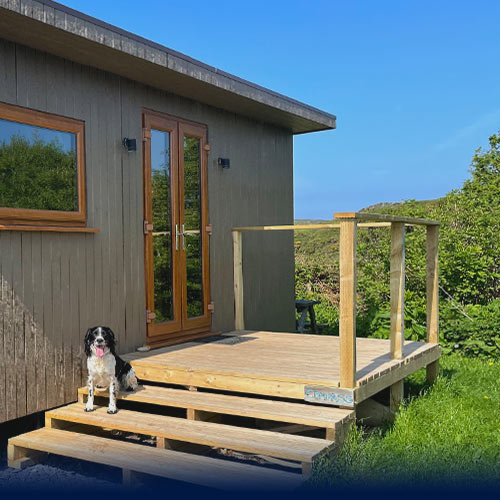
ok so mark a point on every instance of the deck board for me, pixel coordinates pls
(206, 471)
(257, 361)
(279, 411)
(273, 444)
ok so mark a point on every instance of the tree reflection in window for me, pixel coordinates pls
(38, 168)
(162, 226)
(192, 218)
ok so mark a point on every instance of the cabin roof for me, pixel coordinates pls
(59, 30)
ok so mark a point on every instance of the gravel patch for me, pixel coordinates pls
(47, 477)
(59, 474)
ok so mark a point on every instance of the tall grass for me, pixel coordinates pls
(445, 434)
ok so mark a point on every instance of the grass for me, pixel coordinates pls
(447, 434)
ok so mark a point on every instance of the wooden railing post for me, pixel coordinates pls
(397, 289)
(397, 286)
(432, 296)
(347, 253)
(239, 315)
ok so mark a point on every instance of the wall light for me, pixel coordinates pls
(223, 162)
(129, 144)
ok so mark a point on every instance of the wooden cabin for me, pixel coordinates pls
(157, 271)
(164, 209)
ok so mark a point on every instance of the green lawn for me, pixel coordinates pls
(445, 434)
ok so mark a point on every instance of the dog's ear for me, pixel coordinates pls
(87, 341)
(111, 339)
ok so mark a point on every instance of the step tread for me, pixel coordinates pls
(282, 411)
(274, 444)
(170, 464)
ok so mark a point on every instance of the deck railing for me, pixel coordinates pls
(349, 222)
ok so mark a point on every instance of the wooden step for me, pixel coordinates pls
(132, 457)
(272, 444)
(330, 418)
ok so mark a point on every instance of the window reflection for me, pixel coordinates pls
(192, 216)
(38, 168)
(162, 226)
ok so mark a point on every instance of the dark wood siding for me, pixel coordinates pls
(55, 285)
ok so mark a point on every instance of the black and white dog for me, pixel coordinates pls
(105, 368)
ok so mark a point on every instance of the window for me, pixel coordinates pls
(42, 175)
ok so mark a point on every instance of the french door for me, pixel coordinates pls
(175, 227)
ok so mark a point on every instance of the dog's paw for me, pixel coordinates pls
(88, 409)
(112, 411)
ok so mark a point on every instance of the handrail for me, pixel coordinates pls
(349, 222)
(293, 227)
(386, 218)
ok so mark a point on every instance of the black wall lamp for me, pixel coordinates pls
(129, 144)
(223, 162)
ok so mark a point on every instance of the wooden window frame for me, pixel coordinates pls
(20, 217)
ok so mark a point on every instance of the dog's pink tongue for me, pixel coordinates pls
(99, 351)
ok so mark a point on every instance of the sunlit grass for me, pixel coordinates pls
(448, 433)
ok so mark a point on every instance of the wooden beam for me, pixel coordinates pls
(286, 227)
(21, 458)
(341, 432)
(48, 228)
(406, 367)
(373, 414)
(292, 227)
(347, 252)
(307, 468)
(432, 285)
(186, 467)
(432, 296)
(239, 313)
(130, 478)
(385, 218)
(397, 394)
(397, 289)
(432, 371)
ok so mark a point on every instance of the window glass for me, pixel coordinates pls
(38, 168)
(162, 225)
(193, 231)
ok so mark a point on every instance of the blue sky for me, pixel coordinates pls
(415, 84)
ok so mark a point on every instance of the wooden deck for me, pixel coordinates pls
(187, 424)
(248, 394)
(279, 364)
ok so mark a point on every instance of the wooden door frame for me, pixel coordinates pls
(173, 332)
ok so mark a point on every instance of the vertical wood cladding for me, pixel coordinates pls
(53, 286)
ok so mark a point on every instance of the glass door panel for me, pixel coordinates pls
(161, 186)
(194, 220)
(161, 218)
(192, 226)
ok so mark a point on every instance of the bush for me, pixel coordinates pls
(469, 265)
(474, 335)
(472, 331)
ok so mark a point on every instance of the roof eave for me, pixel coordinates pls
(56, 29)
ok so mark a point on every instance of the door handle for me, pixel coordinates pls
(177, 234)
(183, 234)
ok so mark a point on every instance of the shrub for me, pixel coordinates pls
(469, 265)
